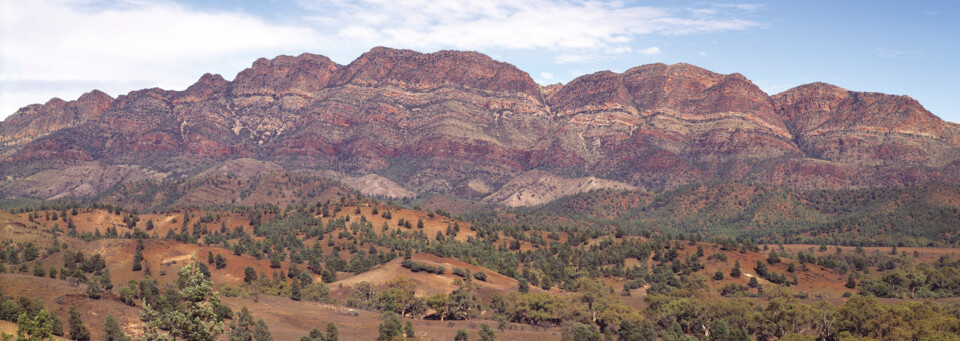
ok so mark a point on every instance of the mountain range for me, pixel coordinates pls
(402, 123)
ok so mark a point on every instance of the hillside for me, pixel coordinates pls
(915, 215)
(533, 274)
(402, 123)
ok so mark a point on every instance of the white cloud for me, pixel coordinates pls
(546, 75)
(650, 51)
(742, 7)
(158, 43)
(702, 54)
(890, 53)
(618, 50)
(359, 32)
(58, 47)
(572, 58)
(538, 24)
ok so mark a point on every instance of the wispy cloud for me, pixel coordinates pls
(62, 43)
(650, 51)
(573, 58)
(49, 47)
(542, 24)
(743, 7)
(890, 53)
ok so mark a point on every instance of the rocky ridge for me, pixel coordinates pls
(463, 123)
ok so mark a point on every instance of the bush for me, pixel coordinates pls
(417, 267)
(733, 290)
(480, 276)
(224, 312)
(774, 258)
(93, 289)
(128, 295)
(316, 292)
(718, 256)
(228, 290)
(459, 272)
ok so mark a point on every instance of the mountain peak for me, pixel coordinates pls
(821, 107)
(430, 71)
(447, 121)
(206, 86)
(302, 75)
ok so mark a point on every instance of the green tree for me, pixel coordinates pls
(195, 311)
(249, 275)
(487, 333)
(261, 332)
(296, 293)
(220, 261)
(522, 286)
(93, 289)
(241, 328)
(77, 330)
(408, 330)
(546, 282)
(630, 331)
(137, 260)
(30, 252)
(439, 303)
(315, 335)
(762, 270)
(391, 326)
(579, 332)
(39, 271)
(461, 335)
(464, 303)
(859, 314)
(332, 333)
(112, 330)
(104, 278)
(40, 327)
(329, 276)
(398, 296)
(774, 258)
(735, 272)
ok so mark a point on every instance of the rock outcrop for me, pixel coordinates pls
(462, 123)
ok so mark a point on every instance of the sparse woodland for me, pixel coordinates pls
(696, 263)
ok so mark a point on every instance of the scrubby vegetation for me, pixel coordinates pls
(702, 261)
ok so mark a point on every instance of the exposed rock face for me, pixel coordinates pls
(819, 108)
(539, 187)
(83, 180)
(463, 123)
(868, 138)
(243, 168)
(34, 121)
(373, 184)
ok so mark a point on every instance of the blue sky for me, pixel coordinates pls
(65, 48)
